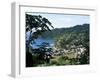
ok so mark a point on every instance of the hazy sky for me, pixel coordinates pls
(64, 20)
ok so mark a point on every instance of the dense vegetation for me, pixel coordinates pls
(35, 26)
(71, 46)
(76, 44)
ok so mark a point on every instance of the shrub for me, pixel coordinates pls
(60, 60)
(53, 62)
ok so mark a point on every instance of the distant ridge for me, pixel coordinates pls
(60, 31)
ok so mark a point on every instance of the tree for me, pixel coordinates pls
(35, 26)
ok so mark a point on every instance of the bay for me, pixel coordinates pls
(40, 41)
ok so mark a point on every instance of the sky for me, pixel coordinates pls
(64, 20)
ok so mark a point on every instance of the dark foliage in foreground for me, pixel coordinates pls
(39, 24)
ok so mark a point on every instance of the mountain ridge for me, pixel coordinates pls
(60, 31)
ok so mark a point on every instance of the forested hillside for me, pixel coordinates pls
(60, 31)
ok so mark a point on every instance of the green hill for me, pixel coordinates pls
(60, 31)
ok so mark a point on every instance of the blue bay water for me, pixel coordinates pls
(39, 41)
